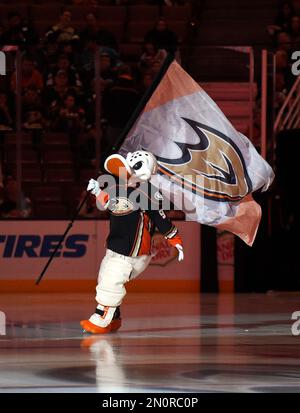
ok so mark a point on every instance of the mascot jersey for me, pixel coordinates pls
(135, 212)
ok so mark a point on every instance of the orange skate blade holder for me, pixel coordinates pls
(89, 327)
(117, 165)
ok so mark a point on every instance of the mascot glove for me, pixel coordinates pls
(180, 252)
(93, 187)
(176, 242)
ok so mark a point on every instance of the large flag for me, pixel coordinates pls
(206, 167)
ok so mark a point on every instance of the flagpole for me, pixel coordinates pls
(147, 95)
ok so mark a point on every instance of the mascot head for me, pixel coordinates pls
(143, 164)
(139, 164)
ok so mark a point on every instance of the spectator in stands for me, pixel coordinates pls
(147, 80)
(282, 60)
(256, 129)
(54, 95)
(70, 117)
(46, 56)
(284, 78)
(9, 201)
(89, 104)
(284, 42)
(18, 32)
(162, 37)
(283, 67)
(280, 90)
(94, 31)
(70, 49)
(6, 119)
(63, 30)
(119, 100)
(151, 54)
(294, 32)
(108, 65)
(87, 61)
(63, 63)
(282, 22)
(32, 110)
(109, 60)
(30, 77)
(156, 66)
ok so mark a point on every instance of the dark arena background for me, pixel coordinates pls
(72, 74)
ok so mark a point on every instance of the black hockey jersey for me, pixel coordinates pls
(135, 212)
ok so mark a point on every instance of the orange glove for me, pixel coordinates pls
(177, 243)
(175, 240)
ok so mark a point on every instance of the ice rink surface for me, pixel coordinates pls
(167, 343)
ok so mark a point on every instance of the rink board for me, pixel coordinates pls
(25, 247)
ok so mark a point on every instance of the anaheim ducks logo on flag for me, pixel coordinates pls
(213, 168)
(206, 167)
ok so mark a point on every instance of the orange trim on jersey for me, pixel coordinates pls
(136, 235)
(170, 231)
(146, 238)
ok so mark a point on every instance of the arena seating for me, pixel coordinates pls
(53, 156)
(59, 173)
(56, 139)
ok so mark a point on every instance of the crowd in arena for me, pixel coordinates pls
(58, 79)
(58, 83)
(58, 73)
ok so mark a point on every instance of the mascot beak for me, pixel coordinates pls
(117, 165)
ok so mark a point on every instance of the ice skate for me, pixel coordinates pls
(105, 320)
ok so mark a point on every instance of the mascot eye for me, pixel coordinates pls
(137, 165)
